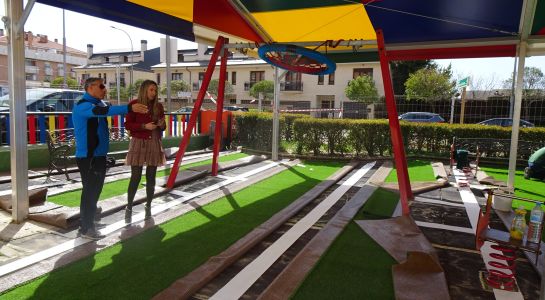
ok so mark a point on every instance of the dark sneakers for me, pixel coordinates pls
(92, 234)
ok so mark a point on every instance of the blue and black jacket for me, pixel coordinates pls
(90, 125)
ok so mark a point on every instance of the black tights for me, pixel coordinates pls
(136, 174)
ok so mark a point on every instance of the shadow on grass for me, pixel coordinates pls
(142, 266)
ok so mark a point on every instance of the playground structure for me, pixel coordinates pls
(366, 29)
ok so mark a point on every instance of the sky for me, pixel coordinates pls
(82, 30)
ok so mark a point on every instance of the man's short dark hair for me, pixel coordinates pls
(90, 81)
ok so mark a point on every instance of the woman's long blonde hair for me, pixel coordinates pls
(143, 96)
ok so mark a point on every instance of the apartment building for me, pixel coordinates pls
(43, 60)
(108, 64)
(298, 91)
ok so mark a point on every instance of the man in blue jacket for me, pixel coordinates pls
(92, 142)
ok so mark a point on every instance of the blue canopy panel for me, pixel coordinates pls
(405, 21)
(131, 14)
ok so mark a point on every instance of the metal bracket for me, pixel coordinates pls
(21, 24)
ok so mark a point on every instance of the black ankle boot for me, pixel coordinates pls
(148, 211)
(128, 214)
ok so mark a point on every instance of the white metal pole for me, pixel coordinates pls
(512, 97)
(132, 60)
(64, 50)
(18, 127)
(168, 74)
(118, 82)
(516, 115)
(260, 102)
(276, 116)
(452, 101)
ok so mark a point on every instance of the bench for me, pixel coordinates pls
(61, 144)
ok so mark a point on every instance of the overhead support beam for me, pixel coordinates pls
(14, 23)
(400, 159)
(250, 20)
(21, 23)
(352, 43)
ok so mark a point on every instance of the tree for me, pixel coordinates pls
(361, 89)
(533, 83)
(123, 93)
(266, 87)
(430, 84)
(214, 85)
(402, 69)
(175, 87)
(71, 82)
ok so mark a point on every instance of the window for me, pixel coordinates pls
(158, 79)
(256, 76)
(122, 79)
(105, 81)
(362, 72)
(320, 79)
(201, 76)
(234, 78)
(331, 79)
(30, 76)
(177, 76)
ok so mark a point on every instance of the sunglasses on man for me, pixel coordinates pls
(101, 86)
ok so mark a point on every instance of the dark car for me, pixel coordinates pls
(46, 99)
(185, 109)
(40, 100)
(236, 108)
(421, 117)
(504, 122)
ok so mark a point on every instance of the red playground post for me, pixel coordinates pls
(400, 159)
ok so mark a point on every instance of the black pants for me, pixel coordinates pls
(93, 172)
(136, 175)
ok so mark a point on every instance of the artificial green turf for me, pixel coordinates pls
(119, 187)
(526, 188)
(419, 170)
(355, 266)
(142, 266)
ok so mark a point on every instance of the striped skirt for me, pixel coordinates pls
(146, 152)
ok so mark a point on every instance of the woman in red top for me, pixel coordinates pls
(145, 147)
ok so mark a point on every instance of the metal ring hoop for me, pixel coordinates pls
(307, 61)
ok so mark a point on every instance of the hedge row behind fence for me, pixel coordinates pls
(366, 137)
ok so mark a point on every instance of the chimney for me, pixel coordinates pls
(143, 48)
(56, 41)
(89, 50)
(42, 38)
(30, 39)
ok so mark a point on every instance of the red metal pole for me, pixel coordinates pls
(32, 129)
(400, 159)
(196, 109)
(219, 111)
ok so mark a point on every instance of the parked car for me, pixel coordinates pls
(422, 117)
(46, 99)
(40, 100)
(185, 110)
(504, 122)
(235, 108)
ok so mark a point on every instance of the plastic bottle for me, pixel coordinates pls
(519, 224)
(536, 221)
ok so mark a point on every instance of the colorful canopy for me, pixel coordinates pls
(492, 26)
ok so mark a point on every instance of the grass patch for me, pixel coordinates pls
(419, 170)
(355, 266)
(526, 188)
(144, 265)
(119, 187)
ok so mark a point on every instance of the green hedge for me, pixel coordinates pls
(365, 137)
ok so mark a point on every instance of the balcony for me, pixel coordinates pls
(31, 69)
(291, 86)
(248, 85)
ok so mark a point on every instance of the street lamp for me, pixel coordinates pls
(132, 59)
